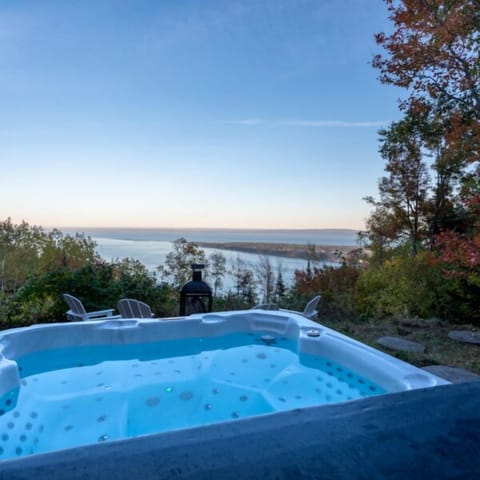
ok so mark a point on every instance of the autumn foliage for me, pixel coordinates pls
(433, 52)
(424, 229)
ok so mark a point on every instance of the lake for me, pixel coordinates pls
(151, 246)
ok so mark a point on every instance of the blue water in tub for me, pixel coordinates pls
(88, 394)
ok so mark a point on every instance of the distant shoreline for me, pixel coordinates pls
(300, 237)
(211, 229)
(324, 253)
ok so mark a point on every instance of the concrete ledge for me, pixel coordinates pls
(452, 374)
(429, 433)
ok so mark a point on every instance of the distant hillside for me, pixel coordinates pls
(324, 253)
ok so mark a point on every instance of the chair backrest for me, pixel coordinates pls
(75, 305)
(311, 307)
(131, 308)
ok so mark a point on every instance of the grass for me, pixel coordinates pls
(433, 333)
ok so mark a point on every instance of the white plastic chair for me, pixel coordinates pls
(131, 308)
(77, 311)
(311, 308)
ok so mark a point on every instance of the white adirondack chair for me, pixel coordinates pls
(131, 308)
(77, 311)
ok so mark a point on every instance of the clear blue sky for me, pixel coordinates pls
(190, 113)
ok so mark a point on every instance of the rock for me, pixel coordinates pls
(420, 322)
(397, 343)
(453, 374)
(465, 336)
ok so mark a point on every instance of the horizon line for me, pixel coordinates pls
(302, 229)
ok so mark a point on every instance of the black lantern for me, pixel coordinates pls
(196, 295)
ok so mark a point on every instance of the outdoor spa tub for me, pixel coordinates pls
(71, 386)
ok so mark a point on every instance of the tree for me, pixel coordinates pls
(265, 277)
(69, 251)
(244, 282)
(403, 192)
(434, 53)
(217, 267)
(19, 253)
(459, 261)
(280, 288)
(178, 263)
(27, 250)
(312, 259)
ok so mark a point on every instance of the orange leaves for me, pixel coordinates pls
(434, 50)
(459, 256)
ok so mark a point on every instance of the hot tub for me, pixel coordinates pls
(78, 384)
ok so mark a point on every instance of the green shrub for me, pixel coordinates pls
(400, 286)
(99, 286)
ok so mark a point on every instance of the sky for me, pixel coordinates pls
(191, 113)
